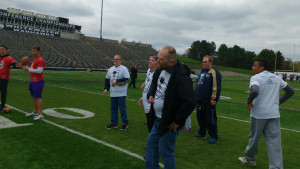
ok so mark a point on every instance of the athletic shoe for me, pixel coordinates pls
(199, 136)
(213, 141)
(39, 117)
(187, 129)
(32, 114)
(111, 126)
(124, 127)
(245, 161)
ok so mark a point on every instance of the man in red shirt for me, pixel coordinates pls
(6, 62)
(36, 82)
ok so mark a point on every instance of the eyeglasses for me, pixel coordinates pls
(116, 59)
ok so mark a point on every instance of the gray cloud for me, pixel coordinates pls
(253, 25)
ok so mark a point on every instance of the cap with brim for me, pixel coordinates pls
(155, 57)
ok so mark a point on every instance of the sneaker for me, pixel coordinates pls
(124, 127)
(199, 136)
(187, 129)
(32, 114)
(213, 141)
(245, 161)
(38, 117)
(111, 126)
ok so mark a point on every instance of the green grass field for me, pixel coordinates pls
(58, 143)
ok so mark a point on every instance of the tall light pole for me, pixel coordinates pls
(101, 21)
(275, 58)
(294, 58)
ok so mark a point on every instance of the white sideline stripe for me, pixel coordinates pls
(136, 101)
(245, 121)
(249, 122)
(76, 90)
(194, 111)
(91, 138)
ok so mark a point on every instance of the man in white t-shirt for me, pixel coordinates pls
(264, 101)
(146, 85)
(116, 81)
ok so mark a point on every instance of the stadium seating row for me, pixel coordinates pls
(87, 52)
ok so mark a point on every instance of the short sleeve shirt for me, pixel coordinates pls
(266, 104)
(5, 64)
(159, 99)
(115, 73)
(37, 62)
(148, 82)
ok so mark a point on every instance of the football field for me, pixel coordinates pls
(73, 134)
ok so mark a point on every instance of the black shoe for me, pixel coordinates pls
(124, 127)
(199, 136)
(111, 126)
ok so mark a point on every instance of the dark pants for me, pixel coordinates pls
(132, 82)
(207, 119)
(150, 120)
(3, 88)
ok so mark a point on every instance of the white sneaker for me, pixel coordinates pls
(245, 161)
(32, 114)
(39, 117)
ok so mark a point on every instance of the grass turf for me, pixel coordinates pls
(19, 146)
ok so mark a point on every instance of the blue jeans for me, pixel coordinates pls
(115, 103)
(160, 146)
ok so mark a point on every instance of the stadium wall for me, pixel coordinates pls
(70, 36)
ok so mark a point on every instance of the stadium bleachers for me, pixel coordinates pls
(87, 52)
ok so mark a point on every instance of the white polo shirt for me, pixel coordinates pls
(266, 104)
(115, 73)
(148, 82)
(162, 84)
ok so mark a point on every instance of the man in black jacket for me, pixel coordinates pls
(172, 100)
(133, 76)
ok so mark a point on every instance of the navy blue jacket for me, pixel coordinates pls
(209, 86)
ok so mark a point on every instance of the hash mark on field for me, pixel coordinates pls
(91, 138)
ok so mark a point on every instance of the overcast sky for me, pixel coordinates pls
(250, 24)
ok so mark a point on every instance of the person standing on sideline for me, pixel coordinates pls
(146, 85)
(36, 82)
(188, 122)
(116, 81)
(264, 101)
(208, 89)
(172, 100)
(6, 61)
(133, 76)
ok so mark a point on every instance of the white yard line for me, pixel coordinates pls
(90, 138)
(245, 121)
(194, 111)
